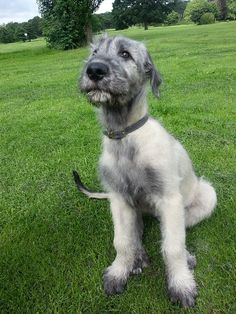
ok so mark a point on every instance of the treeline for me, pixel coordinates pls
(13, 31)
(102, 21)
(127, 13)
(153, 12)
(68, 24)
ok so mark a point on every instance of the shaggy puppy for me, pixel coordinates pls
(143, 168)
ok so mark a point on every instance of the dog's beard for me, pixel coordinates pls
(105, 92)
(99, 97)
(117, 93)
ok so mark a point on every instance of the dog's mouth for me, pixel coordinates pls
(103, 92)
(98, 96)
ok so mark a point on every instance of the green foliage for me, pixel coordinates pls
(67, 24)
(196, 8)
(223, 10)
(178, 6)
(122, 14)
(131, 12)
(207, 18)
(231, 4)
(107, 20)
(103, 21)
(172, 18)
(13, 32)
(8, 33)
(34, 27)
(96, 23)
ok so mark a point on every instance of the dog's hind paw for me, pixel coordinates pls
(140, 262)
(192, 262)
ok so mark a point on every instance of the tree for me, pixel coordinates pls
(107, 20)
(178, 6)
(67, 23)
(102, 21)
(122, 14)
(4, 36)
(130, 12)
(8, 33)
(172, 18)
(34, 27)
(231, 9)
(222, 5)
(96, 23)
(196, 8)
(12, 32)
(21, 31)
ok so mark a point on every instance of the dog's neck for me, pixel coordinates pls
(118, 117)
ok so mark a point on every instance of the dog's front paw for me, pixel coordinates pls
(183, 291)
(112, 282)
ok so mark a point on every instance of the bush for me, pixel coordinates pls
(196, 8)
(172, 18)
(207, 18)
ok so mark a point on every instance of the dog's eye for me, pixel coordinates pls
(125, 54)
(95, 52)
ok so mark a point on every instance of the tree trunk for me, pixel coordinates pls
(145, 25)
(88, 32)
(222, 5)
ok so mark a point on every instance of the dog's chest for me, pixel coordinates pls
(123, 170)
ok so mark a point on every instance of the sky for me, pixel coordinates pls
(106, 6)
(23, 10)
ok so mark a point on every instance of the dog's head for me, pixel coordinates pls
(117, 71)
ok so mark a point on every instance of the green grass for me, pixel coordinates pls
(55, 243)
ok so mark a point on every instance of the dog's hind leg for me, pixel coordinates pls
(127, 243)
(202, 205)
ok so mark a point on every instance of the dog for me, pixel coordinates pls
(143, 168)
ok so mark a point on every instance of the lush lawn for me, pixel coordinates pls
(55, 243)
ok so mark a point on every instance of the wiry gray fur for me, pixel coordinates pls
(126, 80)
(119, 96)
(147, 171)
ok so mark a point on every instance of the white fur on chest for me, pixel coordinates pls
(148, 149)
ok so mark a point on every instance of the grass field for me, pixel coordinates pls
(55, 243)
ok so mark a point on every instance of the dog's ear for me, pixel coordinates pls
(153, 74)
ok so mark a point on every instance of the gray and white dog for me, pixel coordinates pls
(143, 168)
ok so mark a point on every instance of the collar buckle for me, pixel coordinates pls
(111, 134)
(116, 135)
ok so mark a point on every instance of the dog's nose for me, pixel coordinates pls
(97, 70)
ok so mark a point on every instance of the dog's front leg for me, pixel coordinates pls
(181, 283)
(127, 243)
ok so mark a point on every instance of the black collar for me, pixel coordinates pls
(118, 135)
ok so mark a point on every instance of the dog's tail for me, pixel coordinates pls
(84, 190)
